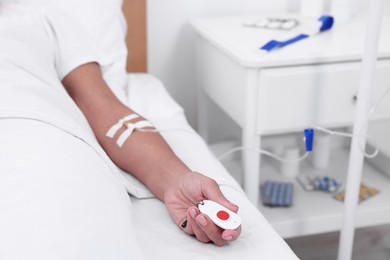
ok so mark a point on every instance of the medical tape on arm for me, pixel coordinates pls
(112, 131)
(130, 129)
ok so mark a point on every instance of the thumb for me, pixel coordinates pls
(213, 192)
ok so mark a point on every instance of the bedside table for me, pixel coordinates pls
(311, 82)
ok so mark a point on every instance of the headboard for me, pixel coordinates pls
(135, 12)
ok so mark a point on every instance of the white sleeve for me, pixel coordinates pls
(72, 48)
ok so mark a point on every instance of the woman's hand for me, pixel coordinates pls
(181, 200)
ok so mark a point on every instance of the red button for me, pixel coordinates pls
(223, 215)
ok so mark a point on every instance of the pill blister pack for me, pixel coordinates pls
(277, 193)
(275, 23)
(323, 183)
(365, 192)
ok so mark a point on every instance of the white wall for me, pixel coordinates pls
(171, 39)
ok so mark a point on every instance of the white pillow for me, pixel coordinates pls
(103, 22)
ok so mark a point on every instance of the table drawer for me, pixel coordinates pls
(292, 98)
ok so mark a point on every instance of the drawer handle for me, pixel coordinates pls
(354, 99)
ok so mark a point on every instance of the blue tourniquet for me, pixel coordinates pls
(326, 22)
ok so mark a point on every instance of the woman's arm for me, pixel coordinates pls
(148, 157)
(143, 154)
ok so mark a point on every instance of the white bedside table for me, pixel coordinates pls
(311, 82)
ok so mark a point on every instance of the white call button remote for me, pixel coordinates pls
(221, 216)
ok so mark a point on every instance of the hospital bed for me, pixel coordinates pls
(62, 198)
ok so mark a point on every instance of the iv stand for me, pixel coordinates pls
(360, 127)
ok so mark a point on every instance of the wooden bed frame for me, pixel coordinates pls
(135, 13)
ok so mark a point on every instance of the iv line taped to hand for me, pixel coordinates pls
(308, 135)
(140, 126)
(130, 127)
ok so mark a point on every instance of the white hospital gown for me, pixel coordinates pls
(38, 48)
(46, 37)
(60, 196)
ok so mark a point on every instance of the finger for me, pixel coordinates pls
(231, 234)
(185, 225)
(197, 230)
(213, 232)
(205, 230)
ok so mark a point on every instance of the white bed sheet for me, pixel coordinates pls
(58, 198)
(61, 199)
(158, 236)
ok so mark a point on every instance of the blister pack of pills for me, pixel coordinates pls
(323, 183)
(277, 193)
(275, 23)
(365, 193)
